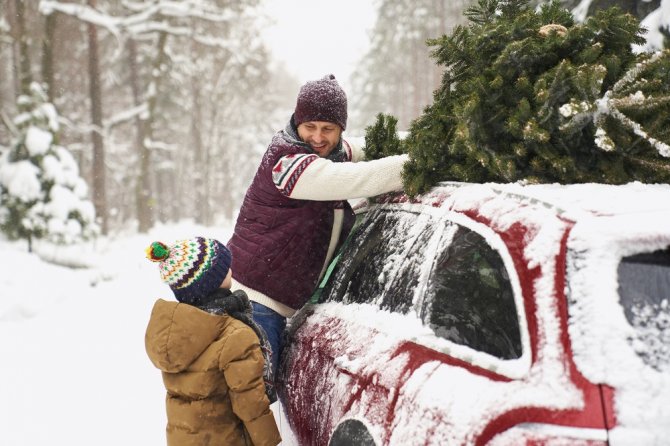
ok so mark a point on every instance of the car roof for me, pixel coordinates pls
(591, 198)
(627, 213)
(572, 201)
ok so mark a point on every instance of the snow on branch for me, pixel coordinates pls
(613, 102)
(610, 105)
(108, 124)
(125, 116)
(159, 145)
(183, 9)
(143, 19)
(157, 26)
(636, 128)
(634, 72)
(4, 26)
(79, 128)
(213, 42)
(84, 13)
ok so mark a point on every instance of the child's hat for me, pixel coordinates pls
(192, 268)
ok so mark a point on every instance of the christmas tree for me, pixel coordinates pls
(42, 195)
(528, 95)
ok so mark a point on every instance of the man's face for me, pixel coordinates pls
(322, 136)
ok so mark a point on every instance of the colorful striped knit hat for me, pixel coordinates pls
(192, 268)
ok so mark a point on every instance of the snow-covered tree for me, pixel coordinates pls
(42, 195)
(180, 82)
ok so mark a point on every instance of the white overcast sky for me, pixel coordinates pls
(318, 37)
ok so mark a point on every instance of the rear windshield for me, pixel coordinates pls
(644, 290)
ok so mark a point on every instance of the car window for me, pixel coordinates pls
(644, 292)
(380, 264)
(469, 299)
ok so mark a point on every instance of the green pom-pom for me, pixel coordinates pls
(157, 251)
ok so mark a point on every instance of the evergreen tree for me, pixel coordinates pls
(381, 138)
(41, 192)
(530, 95)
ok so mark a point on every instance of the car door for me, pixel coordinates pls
(420, 270)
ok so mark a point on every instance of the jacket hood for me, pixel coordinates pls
(178, 333)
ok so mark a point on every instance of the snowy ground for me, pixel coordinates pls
(74, 370)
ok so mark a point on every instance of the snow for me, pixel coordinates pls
(581, 10)
(612, 222)
(73, 336)
(40, 187)
(20, 179)
(74, 369)
(605, 224)
(654, 22)
(594, 246)
(38, 141)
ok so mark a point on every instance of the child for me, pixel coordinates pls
(209, 350)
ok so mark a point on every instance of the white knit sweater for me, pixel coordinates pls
(325, 180)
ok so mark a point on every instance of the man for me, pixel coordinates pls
(295, 214)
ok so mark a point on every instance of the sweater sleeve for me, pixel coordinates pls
(242, 363)
(356, 148)
(315, 178)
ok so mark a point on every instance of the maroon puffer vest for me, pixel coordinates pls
(280, 244)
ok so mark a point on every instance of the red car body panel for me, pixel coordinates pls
(311, 364)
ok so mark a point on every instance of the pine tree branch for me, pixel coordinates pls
(634, 72)
(639, 105)
(647, 163)
(8, 123)
(662, 148)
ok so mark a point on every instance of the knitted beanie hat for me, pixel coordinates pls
(192, 268)
(322, 100)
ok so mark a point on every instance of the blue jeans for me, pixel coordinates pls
(274, 324)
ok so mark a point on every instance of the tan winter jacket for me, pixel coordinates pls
(213, 372)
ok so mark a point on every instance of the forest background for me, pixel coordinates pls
(168, 106)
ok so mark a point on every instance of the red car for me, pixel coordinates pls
(491, 314)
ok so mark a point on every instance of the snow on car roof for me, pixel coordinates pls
(572, 199)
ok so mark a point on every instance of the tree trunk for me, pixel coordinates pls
(6, 75)
(143, 184)
(24, 75)
(99, 195)
(145, 199)
(417, 67)
(201, 199)
(48, 55)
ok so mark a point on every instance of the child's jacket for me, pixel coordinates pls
(213, 372)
